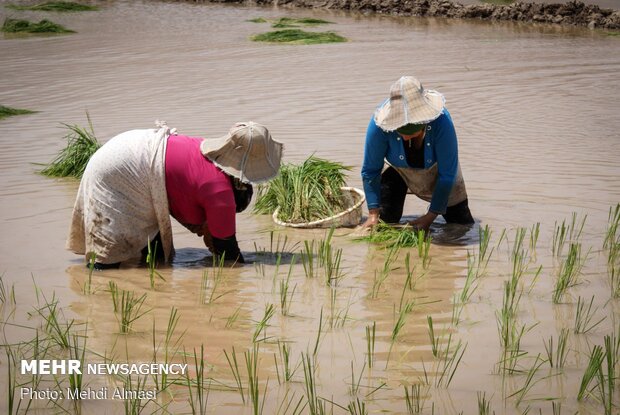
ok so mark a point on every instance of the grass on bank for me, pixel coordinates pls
(305, 192)
(25, 26)
(298, 37)
(55, 6)
(8, 111)
(72, 160)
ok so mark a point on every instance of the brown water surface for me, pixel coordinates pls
(536, 112)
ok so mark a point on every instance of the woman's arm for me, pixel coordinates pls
(446, 151)
(375, 150)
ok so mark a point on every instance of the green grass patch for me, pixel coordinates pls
(55, 6)
(298, 37)
(72, 160)
(284, 22)
(8, 111)
(257, 20)
(304, 193)
(616, 34)
(25, 26)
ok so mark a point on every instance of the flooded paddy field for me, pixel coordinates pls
(535, 108)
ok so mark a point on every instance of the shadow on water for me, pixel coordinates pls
(201, 258)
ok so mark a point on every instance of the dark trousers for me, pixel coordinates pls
(156, 247)
(393, 193)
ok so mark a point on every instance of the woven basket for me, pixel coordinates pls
(350, 217)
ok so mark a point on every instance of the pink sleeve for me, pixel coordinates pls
(219, 207)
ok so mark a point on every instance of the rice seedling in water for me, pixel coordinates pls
(612, 236)
(457, 310)
(209, 286)
(287, 404)
(306, 192)
(316, 405)
(113, 290)
(232, 319)
(25, 26)
(199, 389)
(357, 407)
(77, 351)
(370, 343)
(308, 259)
(298, 37)
(261, 326)
(529, 382)
(6, 295)
(593, 372)
(251, 364)
(329, 259)
(584, 317)
(569, 271)
(414, 398)
(55, 6)
(534, 233)
(484, 405)
(484, 255)
(292, 22)
(72, 160)
(556, 356)
(449, 363)
(284, 352)
(151, 263)
(130, 310)
(431, 334)
(398, 326)
(286, 294)
(234, 368)
(170, 349)
(424, 246)
(134, 404)
(356, 381)
(8, 111)
(60, 333)
(471, 280)
(381, 276)
(318, 334)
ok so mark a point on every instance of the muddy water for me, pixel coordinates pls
(536, 115)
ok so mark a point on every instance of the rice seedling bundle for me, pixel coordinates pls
(304, 193)
(392, 236)
(25, 26)
(8, 111)
(55, 6)
(298, 37)
(72, 160)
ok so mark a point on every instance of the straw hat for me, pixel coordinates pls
(409, 103)
(247, 152)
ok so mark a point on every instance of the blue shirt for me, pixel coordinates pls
(440, 147)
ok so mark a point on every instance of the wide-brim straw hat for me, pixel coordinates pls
(409, 103)
(247, 152)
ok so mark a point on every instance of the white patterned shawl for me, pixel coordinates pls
(122, 202)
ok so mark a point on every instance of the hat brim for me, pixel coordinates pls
(390, 118)
(220, 152)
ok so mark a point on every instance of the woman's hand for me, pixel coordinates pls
(424, 222)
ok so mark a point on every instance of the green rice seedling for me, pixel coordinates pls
(234, 368)
(257, 20)
(329, 259)
(60, 333)
(287, 405)
(576, 227)
(424, 246)
(449, 363)
(357, 407)
(72, 160)
(560, 234)
(584, 317)
(232, 319)
(484, 404)
(251, 364)
(414, 398)
(298, 37)
(457, 310)
(370, 343)
(529, 382)
(151, 263)
(381, 276)
(356, 381)
(113, 290)
(569, 271)
(170, 348)
(77, 351)
(613, 270)
(284, 352)
(338, 317)
(87, 288)
(134, 404)
(318, 334)
(210, 283)
(392, 236)
(13, 405)
(55, 6)
(484, 255)
(199, 389)
(306, 192)
(130, 310)
(612, 236)
(286, 294)
(8, 111)
(471, 280)
(593, 372)
(534, 234)
(556, 356)
(308, 259)
(398, 326)
(431, 334)
(284, 22)
(25, 26)
(316, 405)
(261, 326)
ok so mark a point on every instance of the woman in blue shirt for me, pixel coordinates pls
(413, 133)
